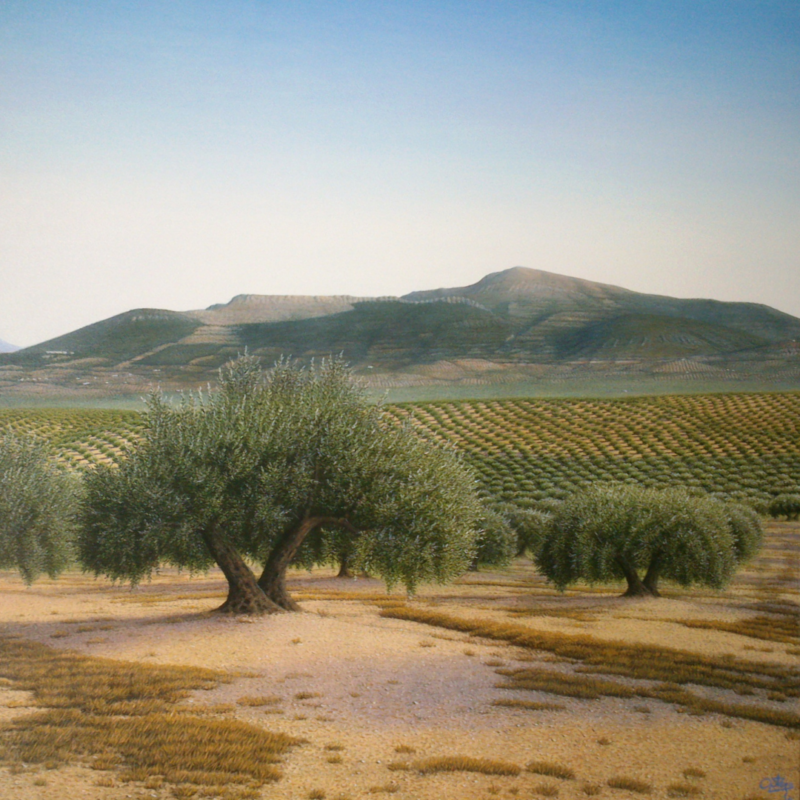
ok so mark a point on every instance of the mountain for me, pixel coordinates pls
(509, 324)
(5, 347)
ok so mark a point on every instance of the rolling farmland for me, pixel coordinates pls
(80, 437)
(746, 447)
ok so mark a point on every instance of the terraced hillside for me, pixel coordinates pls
(515, 326)
(746, 446)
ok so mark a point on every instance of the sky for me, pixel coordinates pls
(175, 153)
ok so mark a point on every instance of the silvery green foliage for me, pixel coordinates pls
(530, 525)
(785, 505)
(497, 540)
(266, 451)
(37, 509)
(695, 540)
(747, 531)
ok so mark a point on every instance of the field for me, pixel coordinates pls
(494, 687)
(744, 447)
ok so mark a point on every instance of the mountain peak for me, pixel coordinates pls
(523, 284)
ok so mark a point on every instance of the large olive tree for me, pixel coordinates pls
(614, 531)
(246, 474)
(37, 509)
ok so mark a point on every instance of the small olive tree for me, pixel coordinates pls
(496, 542)
(785, 505)
(247, 474)
(37, 509)
(614, 531)
(530, 525)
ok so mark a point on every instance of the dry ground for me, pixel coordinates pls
(365, 691)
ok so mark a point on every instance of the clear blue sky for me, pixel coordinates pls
(173, 154)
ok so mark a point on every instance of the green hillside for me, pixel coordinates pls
(652, 336)
(115, 340)
(388, 334)
(745, 447)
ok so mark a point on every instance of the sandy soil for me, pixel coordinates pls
(383, 683)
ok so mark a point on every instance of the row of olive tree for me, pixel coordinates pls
(295, 466)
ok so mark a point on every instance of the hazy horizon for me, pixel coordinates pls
(174, 155)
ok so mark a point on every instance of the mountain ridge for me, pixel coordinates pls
(515, 321)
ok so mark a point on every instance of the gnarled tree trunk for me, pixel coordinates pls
(273, 578)
(635, 586)
(650, 579)
(344, 566)
(244, 594)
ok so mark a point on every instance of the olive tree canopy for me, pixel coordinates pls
(614, 531)
(37, 509)
(247, 473)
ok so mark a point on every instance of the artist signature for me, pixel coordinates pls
(777, 784)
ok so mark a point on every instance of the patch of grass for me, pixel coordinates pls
(629, 785)
(259, 700)
(693, 772)
(638, 662)
(682, 790)
(316, 794)
(551, 769)
(562, 683)
(105, 713)
(591, 789)
(529, 705)
(386, 788)
(771, 628)
(307, 695)
(334, 759)
(404, 748)
(485, 766)
(546, 790)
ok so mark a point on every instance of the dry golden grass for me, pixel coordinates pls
(682, 790)
(427, 766)
(115, 715)
(693, 772)
(669, 667)
(629, 785)
(259, 701)
(551, 770)
(785, 629)
(528, 705)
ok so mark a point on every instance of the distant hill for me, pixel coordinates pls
(5, 347)
(511, 324)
